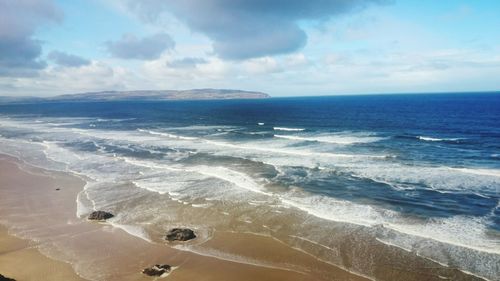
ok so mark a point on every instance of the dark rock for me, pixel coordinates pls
(3, 278)
(157, 270)
(180, 234)
(58, 189)
(100, 215)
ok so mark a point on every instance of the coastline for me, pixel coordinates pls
(31, 208)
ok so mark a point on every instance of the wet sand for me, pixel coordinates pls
(51, 241)
(21, 259)
(31, 208)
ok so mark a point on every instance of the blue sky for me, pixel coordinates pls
(285, 48)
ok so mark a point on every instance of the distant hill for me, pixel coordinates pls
(11, 99)
(195, 94)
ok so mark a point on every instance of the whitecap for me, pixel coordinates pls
(288, 129)
(424, 138)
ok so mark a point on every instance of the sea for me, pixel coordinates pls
(418, 172)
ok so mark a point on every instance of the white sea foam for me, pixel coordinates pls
(204, 206)
(258, 133)
(133, 230)
(237, 178)
(312, 242)
(233, 258)
(481, 172)
(83, 204)
(177, 180)
(201, 128)
(437, 139)
(166, 135)
(114, 119)
(437, 178)
(260, 124)
(292, 151)
(184, 177)
(466, 232)
(288, 129)
(409, 250)
(337, 210)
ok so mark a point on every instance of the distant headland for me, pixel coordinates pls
(146, 95)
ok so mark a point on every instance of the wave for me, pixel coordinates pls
(430, 139)
(166, 135)
(133, 230)
(334, 139)
(438, 139)
(288, 129)
(202, 128)
(448, 230)
(114, 119)
(258, 133)
(481, 172)
(459, 231)
(437, 178)
(295, 152)
(463, 231)
(213, 253)
(236, 178)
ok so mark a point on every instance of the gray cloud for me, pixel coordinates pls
(186, 62)
(19, 51)
(147, 48)
(65, 59)
(242, 29)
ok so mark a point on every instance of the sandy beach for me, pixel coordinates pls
(20, 259)
(38, 208)
(43, 221)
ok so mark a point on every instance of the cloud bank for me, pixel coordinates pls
(186, 62)
(19, 50)
(242, 29)
(68, 60)
(147, 48)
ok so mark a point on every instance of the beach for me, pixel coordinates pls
(45, 238)
(20, 259)
(269, 197)
(31, 207)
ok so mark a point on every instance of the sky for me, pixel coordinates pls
(280, 47)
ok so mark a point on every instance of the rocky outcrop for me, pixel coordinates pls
(180, 234)
(157, 270)
(4, 278)
(100, 215)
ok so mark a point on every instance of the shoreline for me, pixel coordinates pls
(34, 264)
(306, 205)
(32, 208)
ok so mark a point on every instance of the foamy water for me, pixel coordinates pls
(244, 181)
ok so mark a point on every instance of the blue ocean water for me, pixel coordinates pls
(426, 165)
